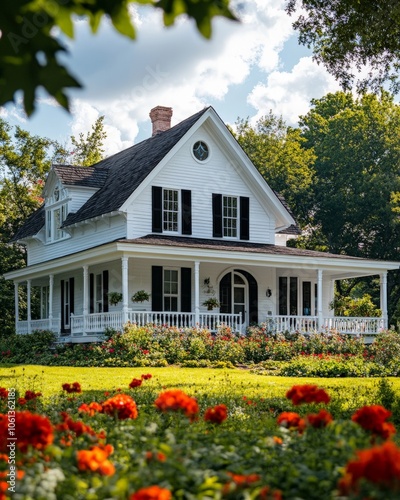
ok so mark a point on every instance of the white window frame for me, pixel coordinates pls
(230, 217)
(168, 294)
(171, 211)
(55, 217)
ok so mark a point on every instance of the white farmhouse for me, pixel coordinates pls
(183, 216)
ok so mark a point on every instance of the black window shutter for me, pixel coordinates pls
(186, 196)
(157, 288)
(72, 295)
(217, 215)
(91, 293)
(244, 218)
(157, 209)
(105, 291)
(225, 294)
(186, 289)
(62, 306)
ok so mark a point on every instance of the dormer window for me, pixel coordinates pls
(56, 213)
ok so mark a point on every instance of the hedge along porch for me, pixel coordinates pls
(288, 288)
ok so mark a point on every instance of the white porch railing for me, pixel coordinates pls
(25, 327)
(98, 322)
(356, 326)
(309, 324)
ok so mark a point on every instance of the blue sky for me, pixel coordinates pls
(245, 70)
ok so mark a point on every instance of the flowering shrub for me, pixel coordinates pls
(373, 418)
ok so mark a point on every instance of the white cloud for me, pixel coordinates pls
(289, 93)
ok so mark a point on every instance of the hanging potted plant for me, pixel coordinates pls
(114, 298)
(140, 296)
(211, 303)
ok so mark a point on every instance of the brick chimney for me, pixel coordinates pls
(160, 118)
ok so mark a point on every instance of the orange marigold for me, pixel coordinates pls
(379, 465)
(30, 430)
(307, 393)
(216, 415)
(151, 493)
(177, 400)
(373, 418)
(291, 420)
(96, 460)
(320, 419)
(122, 406)
(91, 408)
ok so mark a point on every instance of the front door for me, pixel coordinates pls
(238, 293)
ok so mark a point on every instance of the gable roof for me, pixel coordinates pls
(117, 177)
(70, 175)
(128, 170)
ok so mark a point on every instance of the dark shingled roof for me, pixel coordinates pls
(291, 230)
(127, 170)
(236, 246)
(32, 225)
(70, 175)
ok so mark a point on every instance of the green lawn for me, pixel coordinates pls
(238, 382)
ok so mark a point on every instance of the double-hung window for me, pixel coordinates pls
(171, 289)
(56, 214)
(170, 210)
(230, 216)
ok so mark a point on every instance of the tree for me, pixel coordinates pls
(89, 150)
(24, 162)
(278, 153)
(30, 47)
(352, 35)
(356, 202)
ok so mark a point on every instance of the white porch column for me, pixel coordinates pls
(319, 299)
(85, 297)
(51, 292)
(197, 293)
(125, 292)
(384, 309)
(28, 299)
(16, 304)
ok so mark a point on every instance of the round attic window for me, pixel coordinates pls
(200, 151)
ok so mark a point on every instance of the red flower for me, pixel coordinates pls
(147, 376)
(160, 457)
(244, 480)
(96, 460)
(379, 465)
(320, 419)
(136, 382)
(30, 429)
(177, 400)
(151, 493)
(307, 394)
(216, 415)
(267, 494)
(291, 420)
(121, 405)
(29, 395)
(372, 418)
(91, 408)
(75, 387)
(3, 393)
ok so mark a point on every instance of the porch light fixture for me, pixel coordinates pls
(268, 293)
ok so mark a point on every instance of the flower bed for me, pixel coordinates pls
(324, 355)
(135, 443)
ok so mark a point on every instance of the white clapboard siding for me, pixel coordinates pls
(217, 175)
